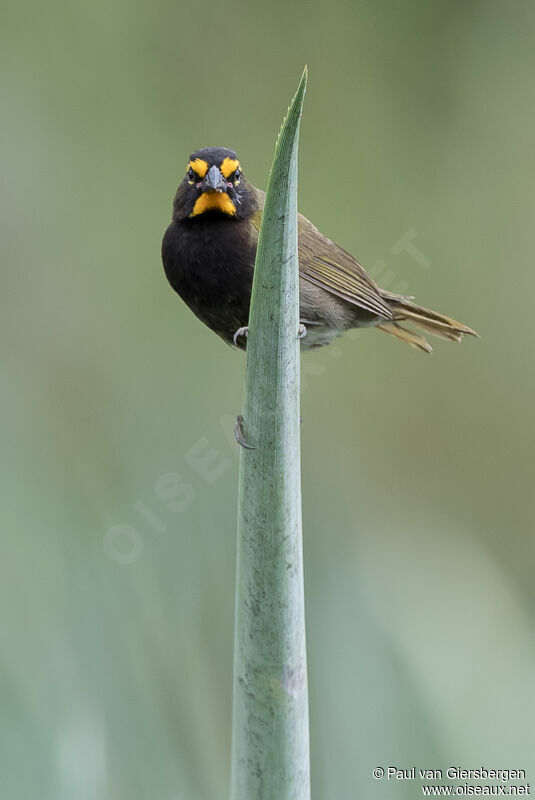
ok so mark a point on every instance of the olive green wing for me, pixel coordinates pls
(332, 268)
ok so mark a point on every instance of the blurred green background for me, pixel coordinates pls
(119, 472)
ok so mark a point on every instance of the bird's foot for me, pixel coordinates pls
(301, 333)
(239, 434)
(240, 332)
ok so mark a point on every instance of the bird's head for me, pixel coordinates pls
(214, 185)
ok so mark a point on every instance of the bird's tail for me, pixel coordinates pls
(424, 318)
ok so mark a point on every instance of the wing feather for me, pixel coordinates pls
(329, 266)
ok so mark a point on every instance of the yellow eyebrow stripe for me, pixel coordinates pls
(199, 166)
(214, 201)
(228, 166)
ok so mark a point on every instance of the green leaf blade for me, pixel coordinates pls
(270, 756)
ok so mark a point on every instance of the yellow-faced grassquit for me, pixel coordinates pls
(209, 249)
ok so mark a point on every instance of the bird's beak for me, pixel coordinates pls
(214, 181)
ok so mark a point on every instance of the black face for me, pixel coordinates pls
(214, 186)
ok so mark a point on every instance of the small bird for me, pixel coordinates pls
(208, 253)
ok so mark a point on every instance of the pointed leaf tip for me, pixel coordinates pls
(296, 106)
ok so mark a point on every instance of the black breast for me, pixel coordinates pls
(209, 262)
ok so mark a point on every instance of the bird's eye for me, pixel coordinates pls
(191, 174)
(237, 175)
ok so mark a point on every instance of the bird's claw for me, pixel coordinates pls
(239, 434)
(240, 332)
(301, 333)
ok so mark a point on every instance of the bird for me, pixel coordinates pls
(208, 254)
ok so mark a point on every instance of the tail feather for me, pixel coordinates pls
(430, 321)
(407, 336)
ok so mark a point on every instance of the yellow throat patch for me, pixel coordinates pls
(214, 201)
